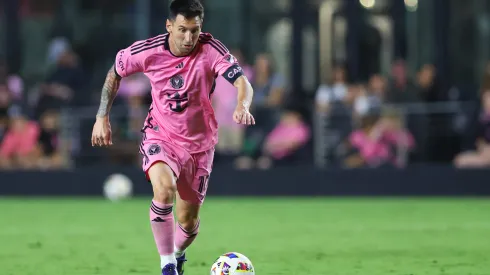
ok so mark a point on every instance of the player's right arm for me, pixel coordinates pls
(127, 63)
(101, 134)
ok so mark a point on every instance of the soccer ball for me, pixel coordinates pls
(232, 263)
(118, 187)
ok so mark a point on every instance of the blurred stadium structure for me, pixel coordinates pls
(353, 83)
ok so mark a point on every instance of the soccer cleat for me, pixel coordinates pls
(169, 269)
(180, 264)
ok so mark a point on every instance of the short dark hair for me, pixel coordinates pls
(187, 8)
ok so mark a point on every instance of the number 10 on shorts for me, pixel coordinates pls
(203, 181)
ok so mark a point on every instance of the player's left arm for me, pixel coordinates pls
(225, 64)
(242, 113)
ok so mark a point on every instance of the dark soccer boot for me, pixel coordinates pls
(169, 269)
(180, 264)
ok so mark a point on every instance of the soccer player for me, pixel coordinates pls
(180, 131)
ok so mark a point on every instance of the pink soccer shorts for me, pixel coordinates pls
(192, 170)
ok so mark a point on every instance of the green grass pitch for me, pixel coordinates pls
(320, 236)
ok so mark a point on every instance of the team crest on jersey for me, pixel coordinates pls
(154, 149)
(177, 81)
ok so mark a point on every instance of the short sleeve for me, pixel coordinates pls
(222, 62)
(128, 63)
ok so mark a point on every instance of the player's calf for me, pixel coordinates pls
(186, 230)
(184, 236)
(187, 226)
(161, 212)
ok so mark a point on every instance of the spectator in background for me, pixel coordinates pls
(64, 86)
(49, 149)
(364, 101)
(401, 89)
(286, 139)
(365, 150)
(19, 145)
(269, 85)
(380, 142)
(334, 103)
(427, 127)
(355, 103)
(340, 98)
(342, 113)
(377, 88)
(335, 90)
(427, 85)
(369, 98)
(56, 48)
(397, 136)
(230, 134)
(13, 82)
(481, 157)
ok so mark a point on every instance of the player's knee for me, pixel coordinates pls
(163, 182)
(164, 189)
(188, 218)
(188, 223)
(163, 194)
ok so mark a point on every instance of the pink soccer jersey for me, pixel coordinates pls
(182, 87)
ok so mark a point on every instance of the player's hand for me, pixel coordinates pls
(102, 134)
(243, 116)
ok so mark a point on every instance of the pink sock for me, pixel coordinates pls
(184, 238)
(162, 225)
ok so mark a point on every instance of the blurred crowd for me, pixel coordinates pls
(391, 121)
(364, 124)
(369, 129)
(29, 117)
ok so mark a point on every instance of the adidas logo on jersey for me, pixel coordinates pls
(180, 66)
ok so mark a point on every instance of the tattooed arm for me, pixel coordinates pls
(109, 92)
(102, 134)
(126, 63)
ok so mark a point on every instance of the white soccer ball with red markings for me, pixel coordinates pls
(232, 263)
(118, 187)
